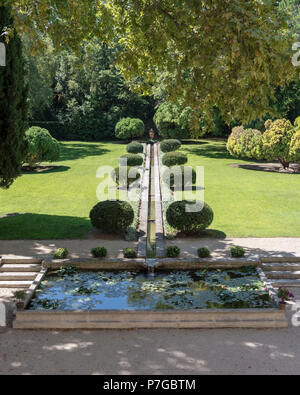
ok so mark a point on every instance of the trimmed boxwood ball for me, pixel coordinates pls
(189, 222)
(135, 148)
(132, 160)
(170, 145)
(203, 252)
(61, 253)
(115, 175)
(174, 159)
(129, 253)
(130, 128)
(237, 252)
(99, 252)
(173, 252)
(112, 215)
(171, 175)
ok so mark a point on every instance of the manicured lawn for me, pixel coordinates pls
(56, 204)
(247, 202)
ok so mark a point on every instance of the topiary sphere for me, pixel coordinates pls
(129, 128)
(41, 146)
(174, 159)
(128, 179)
(132, 160)
(170, 176)
(112, 215)
(170, 145)
(191, 222)
(135, 148)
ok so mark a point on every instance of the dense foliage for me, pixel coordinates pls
(245, 143)
(126, 179)
(237, 252)
(13, 101)
(179, 176)
(135, 148)
(190, 222)
(131, 160)
(40, 146)
(99, 252)
(81, 95)
(170, 145)
(174, 158)
(277, 140)
(173, 252)
(112, 215)
(61, 253)
(130, 128)
(203, 252)
(129, 253)
(207, 50)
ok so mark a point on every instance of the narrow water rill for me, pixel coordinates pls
(151, 231)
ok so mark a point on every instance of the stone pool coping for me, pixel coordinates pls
(133, 319)
(137, 319)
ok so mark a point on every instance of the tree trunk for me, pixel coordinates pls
(284, 164)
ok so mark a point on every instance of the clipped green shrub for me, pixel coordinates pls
(173, 252)
(237, 252)
(174, 159)
(277, 140)
(203, 252)
(132, 160)
(128, 178)
(295, 147)
(190, 222)
(171, 175)
(135, 148)
(61, 253)
(129, 253)
(170, 145)
(129, 128)
(245, 143)
(112, 215)
(99, 252)
(41, 146)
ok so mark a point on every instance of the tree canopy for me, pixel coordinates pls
(229, 54)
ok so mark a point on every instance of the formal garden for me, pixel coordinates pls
(119, 156)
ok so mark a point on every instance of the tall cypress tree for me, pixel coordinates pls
(13, 101)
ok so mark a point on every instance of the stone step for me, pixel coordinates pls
(17, 276)
(13, 267)
(20, 261)
(280, 266)
(286, 283)
(15, 284)
(285, 259)
(283, 275)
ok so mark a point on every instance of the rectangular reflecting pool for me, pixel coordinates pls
(69, 289)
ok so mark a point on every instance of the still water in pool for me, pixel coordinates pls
(178, 290)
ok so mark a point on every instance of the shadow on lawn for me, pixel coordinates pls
(78, 151)
(210, 151)
(46, 170)
(28, 226)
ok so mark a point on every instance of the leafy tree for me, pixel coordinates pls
(13, 101)
(130, 128)
(174, 121)
(41, 146)
(89, 95)
(231, 54)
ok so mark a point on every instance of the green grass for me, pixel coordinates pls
(56, 204)
(246, 203)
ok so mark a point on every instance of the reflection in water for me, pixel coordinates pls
(88, 290)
